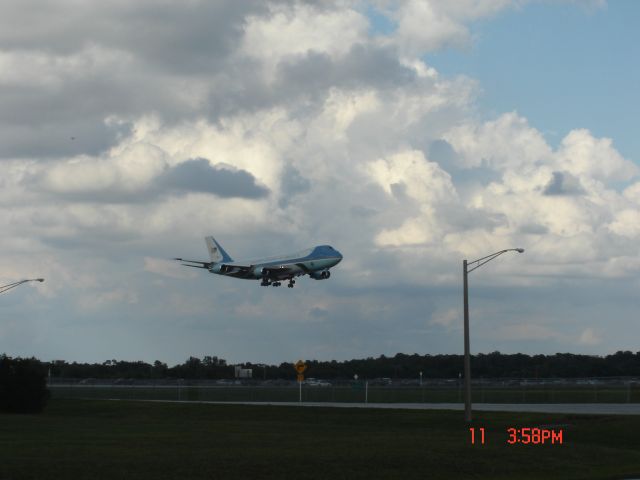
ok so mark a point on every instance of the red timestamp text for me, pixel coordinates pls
(480, 435)
(534, 436)
(521, 436)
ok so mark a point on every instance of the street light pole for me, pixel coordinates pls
(4, 288)
(467, 355)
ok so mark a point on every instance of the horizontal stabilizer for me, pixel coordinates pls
(195, 266)
(205, 265)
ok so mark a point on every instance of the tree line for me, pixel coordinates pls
(23, 387)
(490, 365)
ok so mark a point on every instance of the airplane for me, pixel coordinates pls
(314, 262)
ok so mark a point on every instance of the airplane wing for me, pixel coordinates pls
(235, 270)
(275, 272)
(280, 271)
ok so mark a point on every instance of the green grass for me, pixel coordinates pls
(96, 439)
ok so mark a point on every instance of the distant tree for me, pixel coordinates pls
(490, 365)
(159, 369)
(23, 385)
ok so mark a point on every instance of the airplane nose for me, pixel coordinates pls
(338, 257)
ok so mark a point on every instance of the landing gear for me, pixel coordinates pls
(276, 283)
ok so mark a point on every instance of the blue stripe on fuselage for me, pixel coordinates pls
(321, 252)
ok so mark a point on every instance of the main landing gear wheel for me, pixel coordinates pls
(276, 284)
(291, 283)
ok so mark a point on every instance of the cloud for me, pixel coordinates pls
(316, 29)
(292, 183)
(71, 70)
(142, 173)
(198, 175)
(200, 32)
(527, 332)
(130, 171)
(421, 180)
(533, 229)
(441, 152)
(363, 65)
(563, 184)
(102, 300)
(589, 337)
(583, 155)
(505, 143)
(446, 318)
(167, 268)
(411, 179)
(446, 22)
(626, 223)
(277, 126)
(318, 312)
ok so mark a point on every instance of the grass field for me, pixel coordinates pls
(96, 439)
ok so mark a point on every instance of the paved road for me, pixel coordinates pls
(580, 408)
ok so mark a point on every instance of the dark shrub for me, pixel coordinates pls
(23, 385)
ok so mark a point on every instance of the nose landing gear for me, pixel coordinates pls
(291, 283)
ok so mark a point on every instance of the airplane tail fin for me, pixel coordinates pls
(216, 252)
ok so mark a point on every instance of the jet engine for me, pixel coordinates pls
(259, 272)
(220, 268)
(321, 275)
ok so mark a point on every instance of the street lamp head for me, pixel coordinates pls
(519, 250)
(39, 279)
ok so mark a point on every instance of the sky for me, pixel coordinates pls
(408, 135)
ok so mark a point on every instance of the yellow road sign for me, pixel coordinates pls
(300, 366)
(300, 377)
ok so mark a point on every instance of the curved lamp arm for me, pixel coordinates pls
(4, 288)
(481, 261)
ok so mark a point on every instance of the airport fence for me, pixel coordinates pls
(521, 391)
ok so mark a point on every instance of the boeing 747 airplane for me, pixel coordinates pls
(314, 262)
